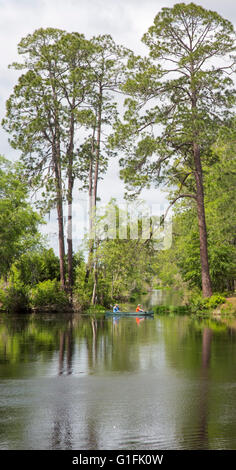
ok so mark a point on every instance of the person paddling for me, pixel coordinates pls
(116, 308)
(139, 309)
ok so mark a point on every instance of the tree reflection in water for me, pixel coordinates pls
(204, 390)
(66, 342)
(79, 376)
(62, 434)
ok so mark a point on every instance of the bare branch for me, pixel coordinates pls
(193, 196)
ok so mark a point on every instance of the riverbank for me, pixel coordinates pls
(227, 308)
(215, 306)
(162, 301)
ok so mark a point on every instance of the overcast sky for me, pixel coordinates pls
(125, 20)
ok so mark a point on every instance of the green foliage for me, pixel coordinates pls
(124, 266)
(48, 293)
(18, 220)
(93, 309)
(199, 305)
(14, 298)
(37, 266)
(68, 83)
(176, 93)
(229, 307)
(105, 70)
(214, 300)
(180, 97)
(82, 287)
(167, 269)
(220, 207)
(220, 183)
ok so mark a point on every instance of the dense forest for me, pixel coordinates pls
(169, 118)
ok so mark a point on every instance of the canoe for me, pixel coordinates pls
(131, 314)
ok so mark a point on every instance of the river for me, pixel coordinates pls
(82, 382)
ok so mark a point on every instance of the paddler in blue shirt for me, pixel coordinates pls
(116, 308)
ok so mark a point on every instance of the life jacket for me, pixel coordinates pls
(137, 309)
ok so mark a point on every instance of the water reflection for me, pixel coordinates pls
(204, 387)
(62, 433)
(74, 382)
(161, 297)
(66, 345)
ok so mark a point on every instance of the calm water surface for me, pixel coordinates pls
(96, 383)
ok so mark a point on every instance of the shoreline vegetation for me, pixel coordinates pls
(217, 306)
(176, 131)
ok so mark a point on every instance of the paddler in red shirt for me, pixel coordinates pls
(139, 309)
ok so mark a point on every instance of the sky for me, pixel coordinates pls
(125, 20)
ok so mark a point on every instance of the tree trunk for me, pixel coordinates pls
(70, 245)
(95, 185)
(56, 156)
(95, 284)
(206, 347)
(61, 352)
(89, 263)
(61, 241)
(57, 171)
(69, 202)
(206, 281)
(69, 343)
(98, 144)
